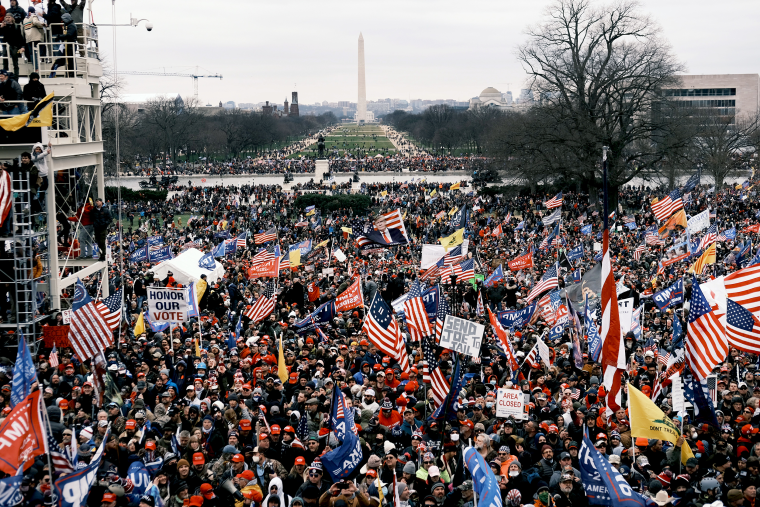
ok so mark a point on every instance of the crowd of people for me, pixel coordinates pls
(205, 406)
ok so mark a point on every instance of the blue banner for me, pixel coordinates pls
(594, 340)
(730, 234)
(341, 462)
(139, 255)
(430, 298)
(140, 477)
(155, 240)
(517, 319)
(596, 491)
(586, 229)
(303, 246)
(677, 340)
(699, 395)
(673, 295)
(160, 254)
(631, 225)
(207, 262)
(10, 494)
(483, 480)
(24, 374)
(576, 253)
(496, 276)
(73, 489)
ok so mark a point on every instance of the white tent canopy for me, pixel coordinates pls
(185, 268)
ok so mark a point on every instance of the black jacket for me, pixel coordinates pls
(12, 36)
(101, 218)
(34, 91)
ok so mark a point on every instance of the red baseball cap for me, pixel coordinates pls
(150, 444)
(300, 460)
(207, 490)
(248, 475)
(263, 436)
(389, 371)
(371, 472)
(467, 423)
(108, 497)
(274, 429)
(238, 458)
(196, 501)
(245, 424)
(131, 424)
(199, 459)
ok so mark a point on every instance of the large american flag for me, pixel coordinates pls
(453, 256)
(382, 330)
(440, 314)
(652, 238)
(89, 333)
(265, 237)
(709, 238)
(742, 328)
(416, 317)
(264, 305)
(110, 308)
(667, 206)
(264, 255)
(639, 251)
(6, 195)
(548, 281)
(464, 271)
(431, 372)
(554, 202)
(242, 239)
(706, 343)
(433, 271)
(743, 286)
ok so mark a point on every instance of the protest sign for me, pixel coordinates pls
(510, 402)
(522, 262)
(462, 336)
(350, 298)
(625, 313)
(673, 295)
(56, 335)
(167, 304)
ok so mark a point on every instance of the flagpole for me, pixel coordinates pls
(41, 408)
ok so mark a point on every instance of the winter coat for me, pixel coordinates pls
(34, 28)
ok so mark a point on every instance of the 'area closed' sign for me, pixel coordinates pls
(510, 402)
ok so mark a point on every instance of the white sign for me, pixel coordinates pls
(66, 316)
(461, 335)
(698, 222)
(328, 271)
(510, 402)
(679, 402)
(167, 304)
(597, 247)
(625, 313)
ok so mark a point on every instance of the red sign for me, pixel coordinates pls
(313, 292)
(752, 228)
(56, 335)
(673, 260)
(350, 298)
(21, 435)
(264, 269)
(522, 262)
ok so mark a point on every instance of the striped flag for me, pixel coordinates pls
(742, 328)
(464, 271)
(265, 237)
(706, 343)
(663, 358)
(708, 257)
(60, 461)
(440, 314)
(241, 240)
(110, 308)
(552, 218)
(710, 237)
(263, 255)
(54, 357)
(383, 331)
(548, 281)
(6, 195)
(743, 287)
(89, 333)
(650, 345)
(639, 252)
(416, 317)
(264, 305)
(652, 238)
(554, 202)
(431, 372)
(667, 206)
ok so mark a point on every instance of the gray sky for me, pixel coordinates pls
(440, 49)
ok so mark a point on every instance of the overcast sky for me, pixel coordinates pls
(430, 49)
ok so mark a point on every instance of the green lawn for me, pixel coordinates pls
(348, 138)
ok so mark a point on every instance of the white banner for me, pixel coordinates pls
(338, 254)
(510, 402)
(168, 304)
(625, 313)
(433, 253)
(461, 335)
(698, 222)
(543, 352)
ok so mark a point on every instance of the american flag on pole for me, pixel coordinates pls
(639, 252)
(382, 329)
(652, 238)
(60, 461)
(432, 272)
(743, 286)
(264, 305)
(663, 358)
(440, 315)
(265, 237)
(667, 206)
(742, 328)
(89, 332)
(431, 372)
(548, 281)
(263, 255)
(710, 237)
(242, 239)
(110, 308)
(464, 271)
(650, 345)
(416, 317)
(554, 202)
(54, 358)
(6, 195)
(706, 343)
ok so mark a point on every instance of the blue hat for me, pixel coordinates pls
(31, 10)
(201, 366)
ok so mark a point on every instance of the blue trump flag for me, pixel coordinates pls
(483, 479)
(155, 240)
(10, 494)
(430, 298)
(496, 276)
(576, 253)
(698, 395)
(72, 489)
(517, 319)
(139, 255)
(160, 254)
(342, 461)
(594, 340)
(207, 262)
(673, 295)
(24, 374)
(586, 229)
(139, 476)
(593, 485)
(677, 340)
(446, 410)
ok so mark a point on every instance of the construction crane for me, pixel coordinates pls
(172, 74)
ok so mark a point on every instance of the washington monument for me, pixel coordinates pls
(361, 103)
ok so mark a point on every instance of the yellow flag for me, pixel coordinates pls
(197, 348)
(455, 239)
(347, 230)
(379, 489)
(282, 370)
(322, 244)
(140, 325)
(383, 193)
(40, 116)
(455, 186)
(433, 192)
(678, 218)
(200, 289)
(650, 422)
(708, 257)
(738, 186)
(310, 213)
(453, 210)
(295, 258)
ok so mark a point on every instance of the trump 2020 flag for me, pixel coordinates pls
(73, 489)
(341, 462)
(483, 480)
(496, 276)
(10, 494)
(24, 374)
(593, 485)
(207, 262)
(139, 476)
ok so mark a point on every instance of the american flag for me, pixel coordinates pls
(301, 224)
(663, 358)
(416, 317)
(110, 308)
(453, 256)
(265, 237)
(639, 251)
(554, 202)
(548, 281)
(264, 305)
(440, 314)
(652, 238)
(54, 358)
(242, 240)
(743, 286)
(432, 272)
(6, 195)
(264, 255)
(464, 271)
(191, 244)
(548, 305)
(285, 261)
(742, 328)
(710, 237)
(650, 345)
(303, 427)
(667, 206)
(431, 372)
(706, 343)
(60, 461)
(89, 333)
(382, 329)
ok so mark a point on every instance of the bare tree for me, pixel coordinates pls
(598, 70)
(175, 120)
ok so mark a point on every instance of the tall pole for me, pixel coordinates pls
(120, 232)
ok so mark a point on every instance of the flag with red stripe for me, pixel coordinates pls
(706, 343)
(383, 331)
(89, 332)
(416, 317)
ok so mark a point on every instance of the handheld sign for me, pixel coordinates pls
(461, 335)
(167, 304)
(510, 402)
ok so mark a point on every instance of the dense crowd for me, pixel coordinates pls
(204, 407)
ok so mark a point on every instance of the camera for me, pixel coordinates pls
(149, 26)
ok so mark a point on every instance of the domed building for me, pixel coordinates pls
(490, 97)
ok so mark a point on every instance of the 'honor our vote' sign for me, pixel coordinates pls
(461, 335)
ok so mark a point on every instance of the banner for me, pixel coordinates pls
(510, 403)
(341, 462)
(483, 480)
(139, 476)
(698, 222)
(155, 240)
(462, 336)
(593, 485)
(517, 319)
(673, 295)
(522, 262)
(675, 253)
(496, 276)
(350, 298)
(266, 269)
(576, 253)
(160, 254)
(73, 489)
(139, 255)
(591, 286)
(22, 436)
(431, 254)
(625, 311)
(167, 304)
(24, 373)
(10, 494)
(430, 297)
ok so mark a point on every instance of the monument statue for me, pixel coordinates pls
(321, 146)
